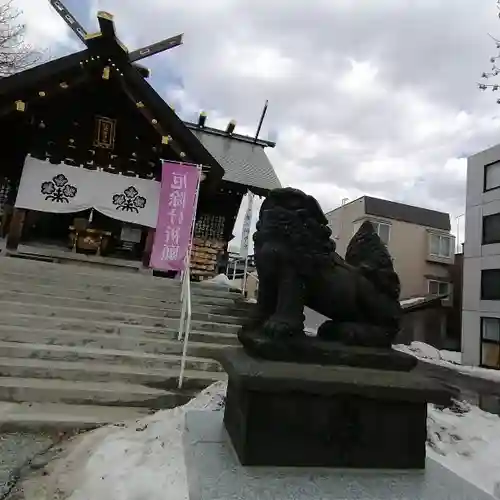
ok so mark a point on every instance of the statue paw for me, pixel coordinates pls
(282, 328)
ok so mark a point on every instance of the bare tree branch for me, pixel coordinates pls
(15, 54)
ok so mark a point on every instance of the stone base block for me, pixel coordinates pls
(286, 414)
(213, 473)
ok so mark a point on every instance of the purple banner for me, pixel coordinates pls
(176, 210)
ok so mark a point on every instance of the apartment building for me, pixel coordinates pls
(418, 240)
(481, 272)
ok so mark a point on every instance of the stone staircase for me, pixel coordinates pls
(82, 346)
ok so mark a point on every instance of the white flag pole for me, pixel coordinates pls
(185, 321)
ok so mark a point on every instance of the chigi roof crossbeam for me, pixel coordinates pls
(107, 34)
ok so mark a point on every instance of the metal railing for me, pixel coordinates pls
(185, 320)
(186, 313)
(248, 274)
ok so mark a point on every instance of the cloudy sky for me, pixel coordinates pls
(365, 97)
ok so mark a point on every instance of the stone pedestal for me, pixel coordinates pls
(307, 350)
(298, 415)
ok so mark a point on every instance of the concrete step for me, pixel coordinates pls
(40, 268)
(62, 300)
(13, 350)
(101, 272)
(35, 390)
(100, 321)
(120, 287)
(30, 254)
(63, 417)
(209, 346)
(113, 303)
(166, 378)
(8, 288)
(81, 346)
(63, 307)
(76, 270)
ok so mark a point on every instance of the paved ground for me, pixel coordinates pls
(17, 450)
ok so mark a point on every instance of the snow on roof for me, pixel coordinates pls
(414, 300)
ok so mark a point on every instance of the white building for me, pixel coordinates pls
(481, 273)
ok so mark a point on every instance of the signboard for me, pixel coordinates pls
(131, 234)
(176, 212)
(105, 133)
(247, 222)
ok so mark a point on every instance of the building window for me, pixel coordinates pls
(492, 176)
(383, 230)
(490, 342)
(438, 287)
(490, 284)
(440, 246)
(491, 229)
(355, 227)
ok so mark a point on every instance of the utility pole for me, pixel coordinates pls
(457, 220)
(262, 116)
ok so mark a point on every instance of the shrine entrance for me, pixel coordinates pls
(86, 211)
(98, 234)
(88, 113)
(94, 111)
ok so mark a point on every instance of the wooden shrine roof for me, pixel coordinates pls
(243, 158)
(55, 111)
(24, 92)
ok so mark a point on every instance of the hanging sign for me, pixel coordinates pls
(105, 133)
(54, 188)
(247, 222)
(176, 213)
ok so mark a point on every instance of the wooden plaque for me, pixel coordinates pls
(105, 133)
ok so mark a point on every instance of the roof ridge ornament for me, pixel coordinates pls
(105, 15)
(106, 24)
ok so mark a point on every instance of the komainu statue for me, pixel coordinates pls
(297, 266)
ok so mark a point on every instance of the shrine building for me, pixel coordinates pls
(84, 139)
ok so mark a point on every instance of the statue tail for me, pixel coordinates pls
(367, 252)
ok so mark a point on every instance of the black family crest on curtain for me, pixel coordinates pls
(58, 189)
(129, 200)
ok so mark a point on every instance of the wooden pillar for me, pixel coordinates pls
(16, 228)
(148, 247)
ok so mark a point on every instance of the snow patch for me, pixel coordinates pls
(429, 353)
(447, 359)
(220, 280)
(141, 459)
(466, 440)
(144, 459)
(409, 302)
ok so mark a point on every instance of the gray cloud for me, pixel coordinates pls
(367, 97)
